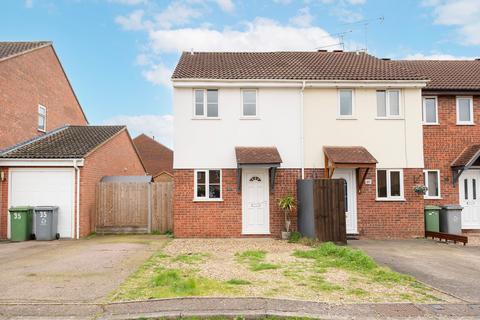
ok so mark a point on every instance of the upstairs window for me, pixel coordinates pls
(206, 103)
(388, 103)
(432, 181)
(464, 110)
(390, 184)
(208, 185)
(345, 107)
(430, 112)
(249, 103)
(42, 118)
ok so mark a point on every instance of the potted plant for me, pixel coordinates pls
(287, 204)
(420, 189)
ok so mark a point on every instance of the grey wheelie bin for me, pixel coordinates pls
(45, 222)
(451, 219)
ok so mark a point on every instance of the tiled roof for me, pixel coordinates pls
(466, 156)
(155, 156)
(257, 155)
(447, 75)
(11, 49)
(349, 155)
(69, 142)
(289, 66)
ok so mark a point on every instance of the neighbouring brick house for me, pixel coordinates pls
(157, 158)
(62, 168)
(248, 125)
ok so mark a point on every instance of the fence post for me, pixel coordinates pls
(149, 228)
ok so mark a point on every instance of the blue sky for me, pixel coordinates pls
(119, 54)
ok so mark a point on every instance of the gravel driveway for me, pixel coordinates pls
(71, 270)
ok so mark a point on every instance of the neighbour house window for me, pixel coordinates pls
(388, 103)
(346, 107)
(432, 181)
(390, 184)
(42, 118)
(208, 185)
(464, 110)
(249, 103)
(430, 112)
(206, 103)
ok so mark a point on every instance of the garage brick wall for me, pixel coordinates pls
(25, 82)
(117, 157)
(3, 203)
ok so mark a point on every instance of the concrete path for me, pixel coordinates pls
(66, 270)
(248, 307)
(454, 269)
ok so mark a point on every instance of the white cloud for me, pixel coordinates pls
(226, 5)
(28, 4)
(134, 21)
(159, 126)
(356, 2)
(303, 18)
(176, 14)
(435, 56)
(464, 14)
(129, 2)
(344, 14)
(159, 75)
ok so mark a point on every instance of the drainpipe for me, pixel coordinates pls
(77, 200)
(302, 147)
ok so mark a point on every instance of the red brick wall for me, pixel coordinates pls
(117, 157)
(224, 219)
(444, 142)
(27, 81)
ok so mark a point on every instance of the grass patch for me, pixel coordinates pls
(190, 258)
(255, 260)
(318, 283)
(238, 282)
(358, 292)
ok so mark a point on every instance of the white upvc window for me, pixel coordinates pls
(42, 118)
(390, 184)
(388, 104)
(465, 110)
(208, 185)
(346, 104)
(249, 103)
(430, 110)
(432, 182)
(205, 103)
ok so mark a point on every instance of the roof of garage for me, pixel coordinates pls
(69, 142)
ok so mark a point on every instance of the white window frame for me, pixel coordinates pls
(207, 186)
(340, 116)
(205, 116)
(472, 116)
(387, 104)
(41, 107)
(424, 111)
(242, 115)
(425, 174)
(389, 196)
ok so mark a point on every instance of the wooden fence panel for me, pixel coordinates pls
(134, 207)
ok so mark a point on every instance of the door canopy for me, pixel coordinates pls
(467, 159)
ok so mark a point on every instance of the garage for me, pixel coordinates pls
(45, 187)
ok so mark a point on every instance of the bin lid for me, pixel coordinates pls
(20, 208)
(430, 207)
(452, 207)
(45, 208)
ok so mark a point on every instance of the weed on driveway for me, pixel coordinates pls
(270, 268)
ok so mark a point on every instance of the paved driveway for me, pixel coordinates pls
(454, 269)
(71, 270)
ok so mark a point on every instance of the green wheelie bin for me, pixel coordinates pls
(432, 218)
(21, 223)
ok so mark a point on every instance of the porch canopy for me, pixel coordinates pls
(467, 159)
(352, 157)
(260, 157)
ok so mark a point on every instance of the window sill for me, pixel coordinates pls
(389, 118)
(206, 118)
(430, 124)
(465, 124)
(346, 118)
(432, 198)
(390, 199)
(40, 130)
(207, 200)
(249, 118)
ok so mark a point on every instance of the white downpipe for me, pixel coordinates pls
(302, 147)
(77, 200)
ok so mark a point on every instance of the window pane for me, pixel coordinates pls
(381, 104)
(465, 185)
(249, 103)
(346, 97)
(200, 191)
(199, 103)
(430, 111)
(394, 102)
(212, 96)
(395, 184)
(214, 176)
(382, 183)
(41, 111)
(199, 96)
(249, 110)
(464, 110)
(474, 189)
(201, 177)
(346, 195)
(212, 110)
(41, 122)
(214, 191)
(433, 184)
(212, 103)
(249, 96)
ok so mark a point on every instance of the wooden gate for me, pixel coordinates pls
(131, 207)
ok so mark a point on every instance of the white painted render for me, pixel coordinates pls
(210, 143)
(395, 143)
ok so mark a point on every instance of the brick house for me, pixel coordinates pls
(62, 168)
(157, 158)
(249, 125)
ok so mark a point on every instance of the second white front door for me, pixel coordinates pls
(255, 202)
(469, 199)
(350, 197)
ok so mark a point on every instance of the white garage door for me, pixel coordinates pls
(45, 187)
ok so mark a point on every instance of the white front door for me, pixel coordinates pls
(469, 199)
(255, 202)
(350, 197)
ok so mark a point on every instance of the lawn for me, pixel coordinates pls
(269, 268)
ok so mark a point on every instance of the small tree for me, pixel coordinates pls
(287, 204)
